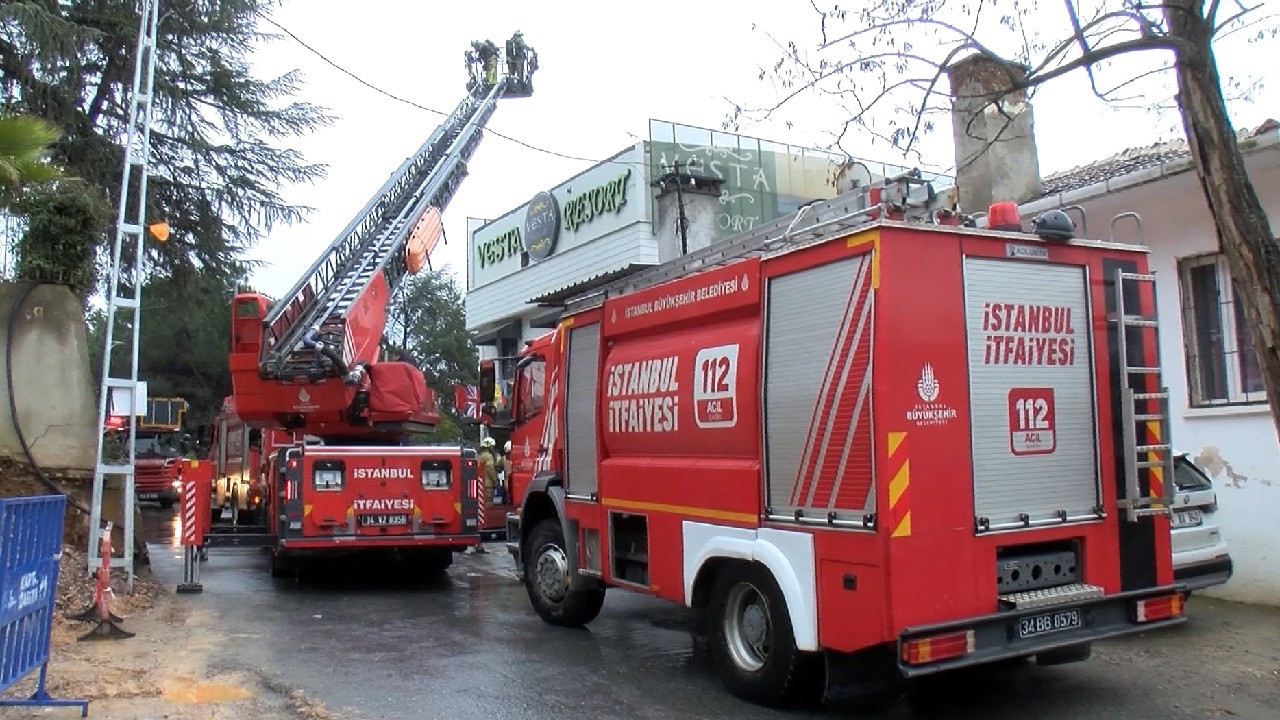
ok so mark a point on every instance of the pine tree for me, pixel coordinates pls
(216, 175)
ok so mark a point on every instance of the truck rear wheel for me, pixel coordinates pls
(753, 645)
(546, 578)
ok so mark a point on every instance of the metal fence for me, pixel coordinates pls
(30, 552)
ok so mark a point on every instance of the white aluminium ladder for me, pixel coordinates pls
(130, 229)
(1145, 412)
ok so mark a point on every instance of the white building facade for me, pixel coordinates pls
(620, 216)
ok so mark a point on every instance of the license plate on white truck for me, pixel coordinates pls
(1049, 622)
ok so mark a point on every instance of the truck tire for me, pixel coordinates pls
(166, 503)
(752, 643)
(546, 579)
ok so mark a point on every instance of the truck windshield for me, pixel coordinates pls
(157, 446)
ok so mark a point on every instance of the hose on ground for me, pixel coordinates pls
(13, 403)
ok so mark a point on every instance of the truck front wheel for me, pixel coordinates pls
(753, 645)
(547, 577)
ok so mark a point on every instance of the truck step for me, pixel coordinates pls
(1046, 597)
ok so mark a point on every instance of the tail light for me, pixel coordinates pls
(936, 648)
(1157, 608)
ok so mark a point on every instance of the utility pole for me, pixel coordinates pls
(133, 226)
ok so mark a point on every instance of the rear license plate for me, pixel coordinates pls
(148, 496)
(382, 520)
(1050, 622)
(1187, 518)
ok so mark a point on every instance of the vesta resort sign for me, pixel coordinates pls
(545, 215)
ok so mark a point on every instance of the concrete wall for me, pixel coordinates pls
(56, 400)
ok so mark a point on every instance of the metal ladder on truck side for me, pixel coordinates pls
(1145, 410)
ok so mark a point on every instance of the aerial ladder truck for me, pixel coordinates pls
(312, 365)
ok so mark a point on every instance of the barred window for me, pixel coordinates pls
(1222, 367)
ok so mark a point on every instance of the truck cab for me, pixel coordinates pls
(519, 419)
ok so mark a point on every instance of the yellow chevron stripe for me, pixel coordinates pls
(904, 526)
(872, 238)
(899, 483)
(895, 439)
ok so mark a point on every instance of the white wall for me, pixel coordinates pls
(1236, 446)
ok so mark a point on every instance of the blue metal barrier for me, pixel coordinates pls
(30, 551)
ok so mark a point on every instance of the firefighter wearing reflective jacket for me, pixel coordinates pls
(490, 463)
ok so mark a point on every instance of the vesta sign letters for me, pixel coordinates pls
(383, 473)
(500, 248)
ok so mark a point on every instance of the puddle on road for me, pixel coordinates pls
(204, 692)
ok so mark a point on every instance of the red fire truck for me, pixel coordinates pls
(157, 464)
(863, 438)
(237, 478)
(315, 364)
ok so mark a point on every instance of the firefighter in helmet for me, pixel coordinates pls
(490, 462)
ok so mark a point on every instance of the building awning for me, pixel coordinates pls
(548, 319)
(560, 296)
(506, 331)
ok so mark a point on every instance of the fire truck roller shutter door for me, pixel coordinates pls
(582, 382)
(788, 555)
(1032, 393)
(817, 399)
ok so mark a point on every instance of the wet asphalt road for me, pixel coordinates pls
(372, 645)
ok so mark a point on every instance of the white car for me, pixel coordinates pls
(1200, 555)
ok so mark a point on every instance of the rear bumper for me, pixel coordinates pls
(458, 542)
(996, 635)
(1203, 574)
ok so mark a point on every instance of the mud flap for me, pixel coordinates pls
(865, 678)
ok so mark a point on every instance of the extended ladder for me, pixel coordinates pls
(137, 153)
(812, 223)
(1145, 408)
(372, 242)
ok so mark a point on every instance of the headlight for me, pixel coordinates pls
(328, 479)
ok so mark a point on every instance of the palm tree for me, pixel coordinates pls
(24, 142)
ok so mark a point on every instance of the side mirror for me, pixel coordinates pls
(487, 380)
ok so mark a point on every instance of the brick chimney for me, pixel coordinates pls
(994, 135)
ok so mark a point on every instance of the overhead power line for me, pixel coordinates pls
(407, 101)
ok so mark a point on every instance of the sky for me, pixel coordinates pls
(602, 75)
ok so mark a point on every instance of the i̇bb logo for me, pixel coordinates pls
(715, 387)
(1032, 421)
